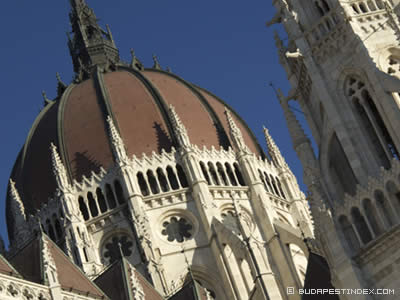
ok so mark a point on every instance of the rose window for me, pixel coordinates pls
(112, 248)
(177, 229)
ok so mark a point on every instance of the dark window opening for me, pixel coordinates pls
(214, 175)
(110, 197)
(101, 200)
(92, 205)
(143, 184)
(239, 174)
(222, 174)
(119, 192)
(230, 174)
(361, 225)
(205, 173)
(83, 208)
(182, 176)
(162, 180)
(172, 178)
(153, 183)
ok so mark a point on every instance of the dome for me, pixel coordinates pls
(137, 100)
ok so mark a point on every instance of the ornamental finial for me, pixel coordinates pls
(156, 63)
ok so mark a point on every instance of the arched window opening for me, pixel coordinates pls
(153, 183)
(50, 230)
(363, 8)
(143, 184)
(385, 209)
(119, 192)
(214, 175)
(270, 188)
(222, 174)
(276, 192)
(325, 5)
(261, 175)
(319, 9)
(372, 218)
(239, 174)
(380, 5)
(361, 225)
(371, 134)
(205, 173)
(231, 175)
(101, 200)
(59, 230)
(182, 176)
(371, 5)
(92, 205)
(280, 188)
(83, 208)
(355, 9)
(173, 181)
(162, 180)
(381, 125)
(110, 197)
(340, 171)
(349, 234)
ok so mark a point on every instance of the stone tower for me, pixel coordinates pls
(138, 163)
(342, 60)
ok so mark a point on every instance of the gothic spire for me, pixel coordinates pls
(59, 170)
(179, 128)
(235, 132)
(90, 45)
(118, 144)
(273, 150)
(17, 206)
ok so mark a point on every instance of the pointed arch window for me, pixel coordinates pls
(349, 234)
(155, 189)
(92, 205)
(119, 192)
(101, 200)
(239, 174)
(144, 188)
(172, 178)
(162, 180)
(83, 208)
(110, 197)
(372, 122)
(182, 176)
(361, 225)
(222, 174)
(231, 175)
(213, 173)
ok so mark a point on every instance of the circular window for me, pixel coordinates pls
(112, 252)
(177, 229)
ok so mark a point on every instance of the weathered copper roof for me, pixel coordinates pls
(138, 103)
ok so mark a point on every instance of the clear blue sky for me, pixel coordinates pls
(223, 46)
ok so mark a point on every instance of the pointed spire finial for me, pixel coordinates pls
(18, 208)
(156, 63)
(169, 70)
(135, 63)
(45, 99)
(61, 86)
(59, 170)
(273, 150)
(90, 43)
(121, 156)
(235, 132)
(179, 129)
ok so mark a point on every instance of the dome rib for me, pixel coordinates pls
(159, 100)
(243, 123)
(218, 125)
(63, 151)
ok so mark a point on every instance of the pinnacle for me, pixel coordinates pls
(156, 63)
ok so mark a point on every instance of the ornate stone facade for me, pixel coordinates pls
(203, 208)
(341, 59)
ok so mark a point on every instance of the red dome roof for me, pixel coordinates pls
(138, 103)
